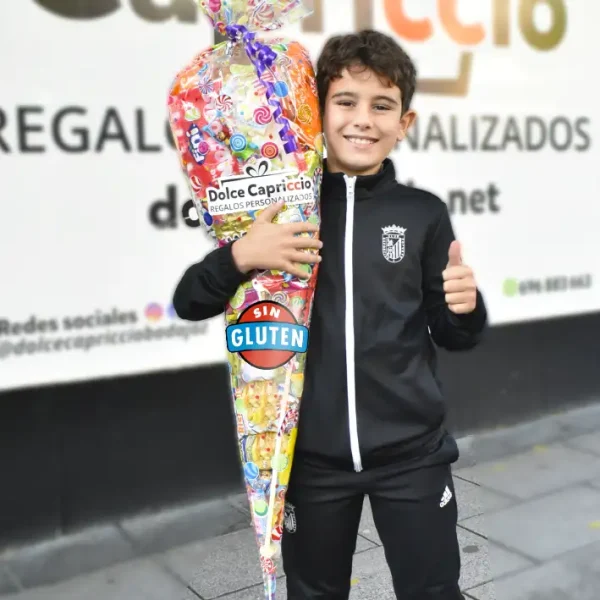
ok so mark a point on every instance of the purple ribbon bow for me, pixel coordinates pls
(263, 58)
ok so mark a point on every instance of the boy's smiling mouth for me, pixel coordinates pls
(361, 141)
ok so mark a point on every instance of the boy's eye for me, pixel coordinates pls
(349, 103)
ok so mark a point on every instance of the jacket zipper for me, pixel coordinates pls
(349, 325)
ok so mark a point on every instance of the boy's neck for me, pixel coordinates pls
(334, 169)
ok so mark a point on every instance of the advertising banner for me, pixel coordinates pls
(98, 225)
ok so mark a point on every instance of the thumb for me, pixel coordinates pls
(269, 213)
(454, 254)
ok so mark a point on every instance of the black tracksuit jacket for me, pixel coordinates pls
(371, 391)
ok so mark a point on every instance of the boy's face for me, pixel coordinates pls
(362, 122)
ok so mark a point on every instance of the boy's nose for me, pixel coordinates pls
(362, 118)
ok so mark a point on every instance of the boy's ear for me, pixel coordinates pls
(406, 122)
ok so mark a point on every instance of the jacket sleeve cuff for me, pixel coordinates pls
(475, 321)
(232, 277)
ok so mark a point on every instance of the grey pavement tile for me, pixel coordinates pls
(495, 444)
(474, 500)
(474, 556)
(214, 567)
(181, 526)
(545, 527)
(371, 579)
(589, 442)
(367, 524)
(475, 553)
(542, 470)
(134, 580)
(573, 576)
(487, 591)
(256, 592)
(69, 556)
(7, 583)
(581, 420)
(363, 543)
(483, 560)
(466, 456)
(240, 501)
(207, 566)
(207, 569)
(368, 582)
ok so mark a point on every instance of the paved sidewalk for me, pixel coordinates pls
(529, 529)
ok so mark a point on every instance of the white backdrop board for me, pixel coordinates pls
(96, 224)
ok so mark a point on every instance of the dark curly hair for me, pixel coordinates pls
(368, 49)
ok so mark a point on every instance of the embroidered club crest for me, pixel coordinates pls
(393, 243)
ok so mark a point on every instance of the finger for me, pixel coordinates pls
(269, 213)
(457, 272)
(454, 254)
(461, 309)
(306, 242)
(458, 298)
(294, 269)
(302, 227)
(304, 257)
(459, 285)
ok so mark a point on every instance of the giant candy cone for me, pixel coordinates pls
(246, 123)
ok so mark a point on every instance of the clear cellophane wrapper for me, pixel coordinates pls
(246, 123)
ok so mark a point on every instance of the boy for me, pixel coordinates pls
(391, 284)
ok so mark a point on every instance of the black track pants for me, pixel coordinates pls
(415, 514)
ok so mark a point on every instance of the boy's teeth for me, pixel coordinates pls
(361, 141)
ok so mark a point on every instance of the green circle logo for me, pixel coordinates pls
(510, 287)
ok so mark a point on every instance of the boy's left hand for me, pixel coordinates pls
(459, 283)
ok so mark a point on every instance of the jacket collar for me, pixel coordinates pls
(334, 184)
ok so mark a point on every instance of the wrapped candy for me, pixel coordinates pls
(246, 123)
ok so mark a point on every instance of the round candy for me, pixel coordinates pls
(238, 299)
(251, 471)
(238, 142)
(305, 114)
(280, 297)
(261, 508)
(262, 115)
(224, 103)
(246, 153)
(196, 182)
(306, 268)
(266, 562)
(280, 463)
(319, 144)
(192, 114)
(269, 150)
(277, 533)
(281, 89)
(297, 301)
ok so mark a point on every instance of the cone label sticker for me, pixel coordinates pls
(267, 335)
